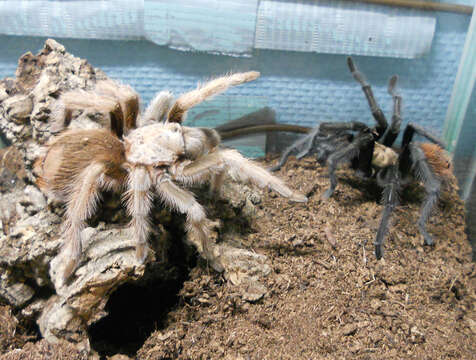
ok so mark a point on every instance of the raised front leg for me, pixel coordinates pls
(157, 109)
(377, 113)
(128, 100)
(394, 129)
(214, 87)
(62, 112)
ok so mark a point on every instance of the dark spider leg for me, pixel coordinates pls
(393, 130)
(377, 113)
(305, 142)
(405, 164)
(309, 143)
(432, 187)
(391, 185)
(364, 161)
(346, 153)
(325, 146)
(411, 129)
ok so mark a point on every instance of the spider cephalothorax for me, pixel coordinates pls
(370, 152)
(150, 159)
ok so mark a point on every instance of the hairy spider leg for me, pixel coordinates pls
(326, 144)
(362, 162)
(157, 109)
(246, 171)
(62, 112)
(214, 87)
(198, 171)
(393, 130)
(323, 139)
(83, 199)
(197, 224)
(139, 202)
(413, 158)
(302, 146)
(377, 113)
(390, 182)
(128, 100)
(309, 144)
(410, 131)
(346, 153)
(432, 186)
(239, 168)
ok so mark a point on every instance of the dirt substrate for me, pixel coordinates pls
(328, 297)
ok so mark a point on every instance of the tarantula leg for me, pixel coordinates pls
(198, 170)
(432, 187)
(210, 166)
(157, 109)
(238, 167)
(128, 100)
(80, 100)
(317, 140)
(391, 186)
(197, 224)
(364, 160)
(377, 113)
(214, 87)
(393, 130)
(410, 131)
(139, 203)
(216, 183)
(346, 153)
(309, 143)
(288, 152)
(84, 197)
(246, 171)
(302, 145)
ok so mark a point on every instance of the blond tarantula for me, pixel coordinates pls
(155, 157)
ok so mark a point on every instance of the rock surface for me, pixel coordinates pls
(30, 238)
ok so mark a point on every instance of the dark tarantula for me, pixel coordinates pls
(153, 157)
(370, 152)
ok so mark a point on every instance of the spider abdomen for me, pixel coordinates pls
(438, 160)
(72, 152)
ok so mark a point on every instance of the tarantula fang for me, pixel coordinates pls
(154, 158)
(370, 152)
